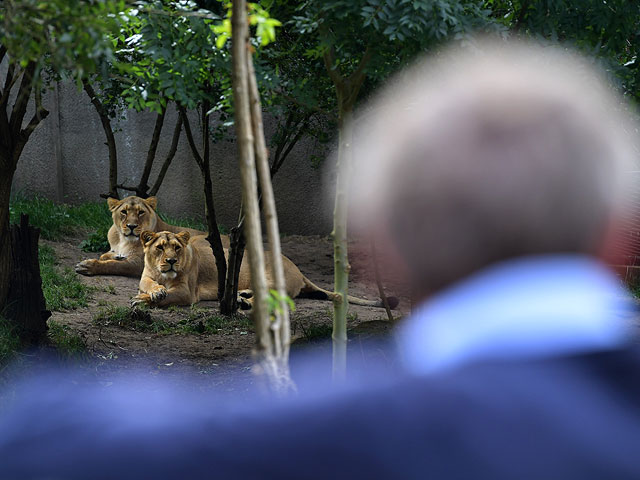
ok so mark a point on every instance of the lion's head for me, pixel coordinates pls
(132, 215)
(165, 252)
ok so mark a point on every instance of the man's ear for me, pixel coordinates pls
(146, 237)
(183, 237)
(152, 202)
(113, 203)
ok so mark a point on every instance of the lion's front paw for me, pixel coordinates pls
(86, 267)
(141, 299)
(158, 294)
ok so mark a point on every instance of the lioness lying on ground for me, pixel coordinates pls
(131, 216)
(181, 270)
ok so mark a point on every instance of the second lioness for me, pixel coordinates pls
(131, 216)
(181, 270)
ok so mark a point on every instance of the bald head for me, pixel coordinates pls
(474, 158)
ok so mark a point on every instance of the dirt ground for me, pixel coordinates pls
(217, 357)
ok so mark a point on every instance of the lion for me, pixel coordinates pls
(181, 270)
(131, 216)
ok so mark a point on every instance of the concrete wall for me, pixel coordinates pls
(66, 159)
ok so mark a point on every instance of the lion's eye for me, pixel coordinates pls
(123, 213)
(178, 248)
(141, 213)
(160, 247)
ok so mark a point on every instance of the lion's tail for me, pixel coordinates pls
(311, 290)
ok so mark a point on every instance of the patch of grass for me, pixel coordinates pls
(191, 223)
(9, 341)
(316, 332)
(184, 222)
(200, 320)
(61, 287)
(138, 319)
(193, 321)
(97, 241)
(67, 342)
(56, 220)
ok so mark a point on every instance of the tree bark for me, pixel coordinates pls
(26, 307)
(13, 138)
(111, 141)
(237, 244)
(347, 89)
(278, 359)
(246, 158)
(142, 190)
(169, 158)
(5, 242)
(210, 211)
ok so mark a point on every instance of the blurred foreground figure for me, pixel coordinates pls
(497, 179)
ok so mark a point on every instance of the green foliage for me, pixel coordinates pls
(67, 35)
(61, 287)
(274, 301)
(605, 30)
(57, 220)
(9, 341)
(67, 342)
(316, 332)
(96, 241)
(138, 319)
(195, 320)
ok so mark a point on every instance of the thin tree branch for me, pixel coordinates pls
(192, 144)
(151, 153)
(169, 158)
(111, 141)
(9, 82)
(329, 57)
(24, 93)
(376, 272)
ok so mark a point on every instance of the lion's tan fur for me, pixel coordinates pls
(194, 275)
(126, 256)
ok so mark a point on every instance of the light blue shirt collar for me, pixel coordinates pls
(525, 308)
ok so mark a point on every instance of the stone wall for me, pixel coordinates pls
(66, 160)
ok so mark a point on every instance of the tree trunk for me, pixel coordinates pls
(210, 211)
(237, 244)
(347, 89)
(246, 158)
(340, 257)
(26, 307)
(5, 242)
(13, 138)
(111, 141)
(278, 359)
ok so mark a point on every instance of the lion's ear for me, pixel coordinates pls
(152, 202)
(183, 237)
(113, 203)
(146, 237)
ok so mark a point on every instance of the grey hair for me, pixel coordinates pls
(471, 158)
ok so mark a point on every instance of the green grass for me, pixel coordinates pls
(316, 332)
(132, 318)
(193, 321)
(203, 321)
(67, 343)
(191, 223)
(9, 341)
(57, 220)
(61, 287)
